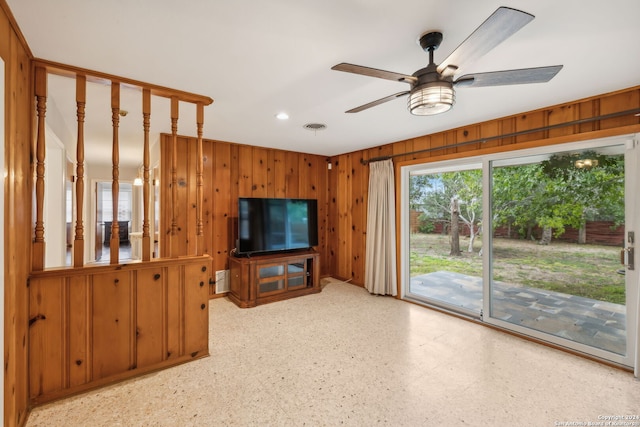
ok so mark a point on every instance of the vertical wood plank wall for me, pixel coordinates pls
(231, 171)
(92, 326)
(17, 153)
(348, 180)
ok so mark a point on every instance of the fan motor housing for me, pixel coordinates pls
(430, 41)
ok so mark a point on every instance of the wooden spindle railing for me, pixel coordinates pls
(78, 242)
(38, 260)
(114, 243)
(146, 123)
(82, 76)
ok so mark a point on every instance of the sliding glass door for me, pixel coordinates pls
(445, 261)
(542, 256)
(558, 228)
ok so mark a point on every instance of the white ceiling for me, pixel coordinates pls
(257, 58)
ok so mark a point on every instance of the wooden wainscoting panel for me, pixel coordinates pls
(208, 205)
(196, 309)
(46, 344)
(360, 184)
(245, 169)
(181, 237)
(218, 189)
(489, 129)
(525, 122)
(260, 172)
(112, 323)
(292, 175)
(559, 115)
(92, 326)
(190, 215)
(150, 316)
(345, 217)
(619, 101)
(279, 175)
(79, 315)
(175, 310)
(304, 176)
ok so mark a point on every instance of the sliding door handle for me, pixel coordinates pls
(627, 257)
(628, 254)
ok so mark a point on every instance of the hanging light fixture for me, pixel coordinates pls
(586, 163)
(431, 98)
(138, 179)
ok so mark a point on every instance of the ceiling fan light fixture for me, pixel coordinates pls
(431, 98)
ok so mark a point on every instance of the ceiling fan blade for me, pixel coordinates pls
(509, 77)
(373, 72)
(377, 102)
(501, 25)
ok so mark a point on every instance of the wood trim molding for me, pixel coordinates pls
(99, 77)
(16, 29)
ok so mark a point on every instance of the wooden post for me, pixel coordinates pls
(78, 242)
(114, 243)
(146, 119)
(199, 181)
(173, 250)
(38, 259)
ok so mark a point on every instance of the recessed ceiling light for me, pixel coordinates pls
(282, 116)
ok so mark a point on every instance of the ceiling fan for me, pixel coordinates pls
(432, 87)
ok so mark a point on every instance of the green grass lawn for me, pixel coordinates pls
(589, 271)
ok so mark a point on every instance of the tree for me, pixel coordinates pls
(554, 194)
(513, 197)
(466, 190)
(584, 193)
(448, 198)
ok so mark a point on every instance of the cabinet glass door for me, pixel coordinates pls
(271, 278)
(296, 273)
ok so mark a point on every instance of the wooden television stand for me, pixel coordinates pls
(262, 279)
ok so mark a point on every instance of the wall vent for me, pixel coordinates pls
(222, 282)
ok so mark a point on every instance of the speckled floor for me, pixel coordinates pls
(344, 357)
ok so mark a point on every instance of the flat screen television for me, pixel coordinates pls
(271, 225)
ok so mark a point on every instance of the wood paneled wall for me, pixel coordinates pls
(17, 210)
(94, 325)
(348, 180)
(231, 171)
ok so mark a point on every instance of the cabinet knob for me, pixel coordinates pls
(201, 284)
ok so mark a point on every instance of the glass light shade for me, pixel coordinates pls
(586, 163)
(137, 181)
(432, 98)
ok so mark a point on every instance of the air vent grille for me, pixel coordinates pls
(315, 126)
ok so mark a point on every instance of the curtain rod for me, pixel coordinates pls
(635, 111)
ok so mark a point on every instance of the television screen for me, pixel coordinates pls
(269, 224)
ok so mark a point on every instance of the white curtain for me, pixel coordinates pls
(380, 263)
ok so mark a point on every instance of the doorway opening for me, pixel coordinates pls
(105, 217)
